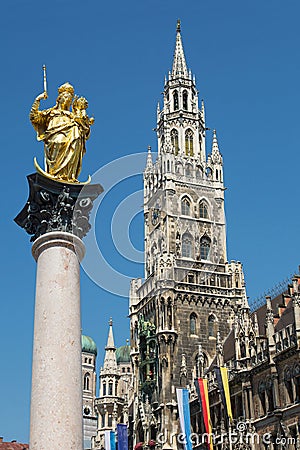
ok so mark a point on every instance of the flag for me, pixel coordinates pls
(202, 390)
(122, 436)
(184, 416)
(222, 379)
(110, 440)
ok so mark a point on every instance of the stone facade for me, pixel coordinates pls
(191, 312)
(191, 291)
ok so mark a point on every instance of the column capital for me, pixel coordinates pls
(57, 206)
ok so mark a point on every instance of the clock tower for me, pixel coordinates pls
(185, 306)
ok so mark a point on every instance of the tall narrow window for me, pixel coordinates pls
(185, 100)
(110, 388)
(163, 313)
(262, 397)
(174, 140)
(187, 249)
(204, 247)
(203, 210)
(297, 383)
(189, 144)
(175, 100)
(185, 207)
(269, 392)
(169, 315)
(104, 388)
(86, 382)
(289, 385)
(211, 325)
(193, 319)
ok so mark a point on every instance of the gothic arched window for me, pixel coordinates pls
(169, 314)
(193, 323)
(289, 385)
(204, 247)
(187, 246)
(174, 140)
(269, 392)
(162, 312)
(175, 100)
(296, 373)
(211, 325)
(185, 206)
(104, 388)
(189, 142)
(203, 210)
(86, 382)
(110, 388)
(185, 100)
(262, 396)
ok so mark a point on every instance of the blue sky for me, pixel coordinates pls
(245, 56)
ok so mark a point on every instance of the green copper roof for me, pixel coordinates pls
(88, 345)
(123, 354)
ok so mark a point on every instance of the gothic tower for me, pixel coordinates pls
(89, 381)
(115, 382)
(107, 405)
(190, 292)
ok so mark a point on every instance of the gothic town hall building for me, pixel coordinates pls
(191, 312)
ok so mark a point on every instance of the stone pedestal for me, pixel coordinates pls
(56, 396)
(56, 216)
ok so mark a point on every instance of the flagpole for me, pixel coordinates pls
(229, 437)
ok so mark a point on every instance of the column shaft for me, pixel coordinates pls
(56, 396)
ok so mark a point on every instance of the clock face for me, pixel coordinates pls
(155, 215)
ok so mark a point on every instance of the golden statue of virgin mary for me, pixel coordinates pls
(64, 133)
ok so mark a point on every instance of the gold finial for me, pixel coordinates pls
(178, 26)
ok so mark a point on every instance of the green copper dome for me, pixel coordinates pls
(88, 345)
(123, 354)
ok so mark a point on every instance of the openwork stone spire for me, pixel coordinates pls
(110, 361)
(179, 69)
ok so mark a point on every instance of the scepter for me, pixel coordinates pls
(45, 81)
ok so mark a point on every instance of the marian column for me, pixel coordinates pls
(57, 216)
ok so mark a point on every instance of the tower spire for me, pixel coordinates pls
(215, 145)
(179, 69)
(110, 340)
(110, 361)
(149, 164)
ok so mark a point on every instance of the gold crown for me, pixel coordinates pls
(66, 87)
